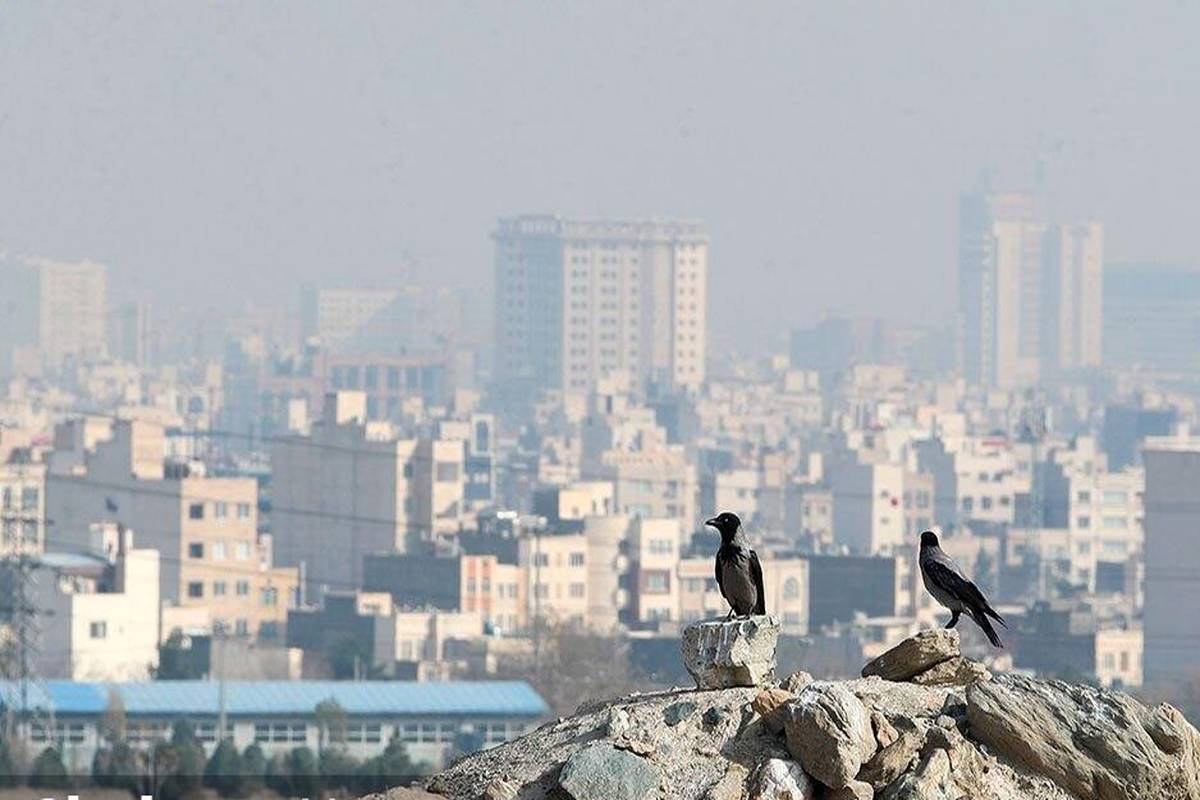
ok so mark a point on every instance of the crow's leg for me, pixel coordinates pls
(729, 616)
(953, 619)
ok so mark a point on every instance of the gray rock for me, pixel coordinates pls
(829, 732)
(602, 772)
(678, 712)
(914, 655)
(854, 790)
(885, 732)
(719, 654)
(731, 786)
(782, 779)
(501, 789)
(954, 671)
(1093, 742)
(796, 681)
(891, 761)
(769, 704)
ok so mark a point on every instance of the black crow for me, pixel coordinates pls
(739, 575)
(951, 588)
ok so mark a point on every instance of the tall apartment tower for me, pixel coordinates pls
(72, 309)
(578, 300)
(1029, 292)
(1172, 523)
(58, 310)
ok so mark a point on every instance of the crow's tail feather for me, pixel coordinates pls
(986, 626)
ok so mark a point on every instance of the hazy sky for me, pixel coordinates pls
(211, 153)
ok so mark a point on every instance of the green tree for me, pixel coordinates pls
(10, 773)
(224, 770)
(386, 769)
(118, 766)
(338, 768)
(176, 661)
(277, 776)
(48, 770)
(187, 771)
(331, 722)
(254, 769)
(304, 772)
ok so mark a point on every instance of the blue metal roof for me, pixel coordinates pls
(266, 698)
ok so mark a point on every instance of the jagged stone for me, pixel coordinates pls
(501, 789)
(731, 786)
(1167, 727)
(891, 761)
(914, 655)
(1093, 742)
(829, 732)
(678, 712)
(854, 790)
(602, 772)
(768, 704)
(782, 779)
(885, 732)
(719, 654)
(796, 681)
(954, 671)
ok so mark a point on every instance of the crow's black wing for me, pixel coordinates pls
(717, 563)
(760, 605)
(954, 583)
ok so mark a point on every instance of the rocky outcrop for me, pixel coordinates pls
(828, 730)
(1093, 742)
(930, 658)
(1008, 738)
(720, 654)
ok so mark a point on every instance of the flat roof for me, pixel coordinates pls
(267, 698)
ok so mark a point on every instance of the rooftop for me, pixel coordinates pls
(265, 698)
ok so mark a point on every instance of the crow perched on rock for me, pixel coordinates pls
(952, 589)
(739, 575)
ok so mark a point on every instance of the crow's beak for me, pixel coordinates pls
(712, 522)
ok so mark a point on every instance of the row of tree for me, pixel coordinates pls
(176, 768)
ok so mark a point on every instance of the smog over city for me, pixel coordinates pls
(599, 400)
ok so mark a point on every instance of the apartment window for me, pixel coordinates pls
(242, 551)
(98, 630)
(196, 550)
(243, 588)
(364, 732)
(195, 589)
(447, 471)
(243, 510)
(219, 588)
(541, 560)
(409, 732)
(658, 582)
(791, 588)
(577, 590)
(241, 628)
(1115, 498)
(575, 560)
(968, 504)
(221, 510)
(1124, 661)
(393, 378)
(372, 377)
(1084, 497)
(29, 498)
(218, 551)
(8, 498)
(1083, 522)
(269, 596)
(196, 511)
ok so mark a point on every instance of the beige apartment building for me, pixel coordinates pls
(60, 312)
(555, 575)
(351, 488)
(205, 529)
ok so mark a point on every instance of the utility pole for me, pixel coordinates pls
(219, 636)
(21, 570)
